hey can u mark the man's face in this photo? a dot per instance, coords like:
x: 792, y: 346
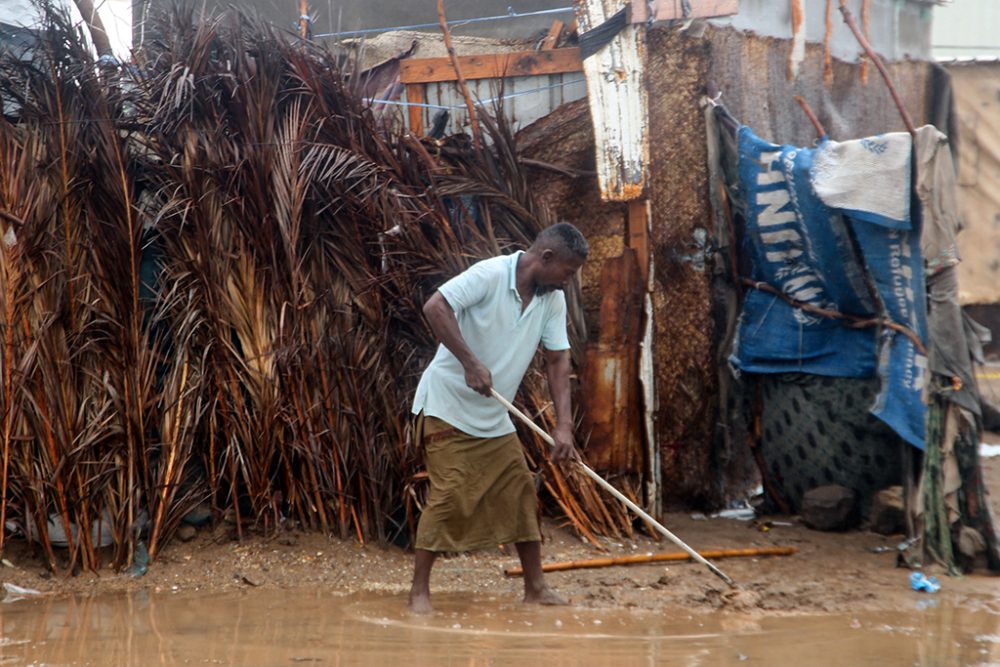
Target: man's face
x: 557, y: 271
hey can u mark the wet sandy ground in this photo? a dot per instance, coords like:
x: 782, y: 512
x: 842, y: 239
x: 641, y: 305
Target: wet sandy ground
x: 297, y: 598
x: 305, y: 626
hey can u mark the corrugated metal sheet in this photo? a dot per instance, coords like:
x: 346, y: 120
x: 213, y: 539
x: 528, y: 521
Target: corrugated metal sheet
x: 528, y: 98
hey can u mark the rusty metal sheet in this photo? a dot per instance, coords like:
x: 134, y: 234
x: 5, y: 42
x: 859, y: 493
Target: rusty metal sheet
x: 612, y: 398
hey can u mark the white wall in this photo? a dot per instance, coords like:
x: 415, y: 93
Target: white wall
x: 898, y: 28
x: 966, y: 28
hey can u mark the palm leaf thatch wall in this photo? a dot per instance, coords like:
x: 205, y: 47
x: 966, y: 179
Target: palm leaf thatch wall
x: 213, y: 265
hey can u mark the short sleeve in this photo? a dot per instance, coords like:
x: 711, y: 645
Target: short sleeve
x: 471, y: 286
x: 554, y: 336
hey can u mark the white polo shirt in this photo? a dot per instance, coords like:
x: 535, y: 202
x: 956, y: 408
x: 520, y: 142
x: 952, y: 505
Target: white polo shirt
x: 488, y: 309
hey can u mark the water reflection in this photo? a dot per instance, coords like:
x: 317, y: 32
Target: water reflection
x: 310, y: 627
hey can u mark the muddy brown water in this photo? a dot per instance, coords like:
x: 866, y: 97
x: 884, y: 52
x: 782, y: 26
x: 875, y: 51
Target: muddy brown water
x: 309, y: 627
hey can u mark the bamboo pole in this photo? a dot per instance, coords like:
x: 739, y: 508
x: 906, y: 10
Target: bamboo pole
x: 304, y: 21
x: 638, y: 559
x: 615, y: 492
x: 473, y: 119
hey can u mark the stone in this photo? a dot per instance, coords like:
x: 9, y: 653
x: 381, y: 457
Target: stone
x: 888, y: 515
x: 831, y: 507
x: 186, y: 533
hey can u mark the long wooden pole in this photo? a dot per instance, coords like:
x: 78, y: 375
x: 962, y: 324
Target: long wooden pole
x: 615, y: 492
x: 473, y: 118
x: 638, y: 559
x: 305, y: 27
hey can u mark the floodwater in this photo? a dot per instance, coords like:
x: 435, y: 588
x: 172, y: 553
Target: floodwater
x: 308, y: 627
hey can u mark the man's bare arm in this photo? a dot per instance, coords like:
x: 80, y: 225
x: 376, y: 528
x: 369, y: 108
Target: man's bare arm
x: 444, y: 326
x: 557, y: 369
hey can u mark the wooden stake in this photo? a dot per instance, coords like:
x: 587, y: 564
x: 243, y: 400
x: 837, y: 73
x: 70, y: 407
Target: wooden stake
x: 304, y: 28
x: 473, y: 119
x: 811, y: 116
x: 415, y: 96
x: 638, y: 559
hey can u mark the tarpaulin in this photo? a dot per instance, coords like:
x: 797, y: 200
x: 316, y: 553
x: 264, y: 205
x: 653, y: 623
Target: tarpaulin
x: 817, y: 255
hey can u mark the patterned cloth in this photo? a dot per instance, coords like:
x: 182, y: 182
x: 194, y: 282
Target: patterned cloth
x: 481, y: 491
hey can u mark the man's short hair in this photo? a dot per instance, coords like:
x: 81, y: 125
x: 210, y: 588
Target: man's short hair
x: 567, y: 237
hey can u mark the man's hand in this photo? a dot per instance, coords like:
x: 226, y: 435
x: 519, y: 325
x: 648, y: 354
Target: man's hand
x: 478, y: 377
x: 565, y: 447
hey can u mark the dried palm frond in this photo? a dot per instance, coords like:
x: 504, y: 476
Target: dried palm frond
x: 215, y: 285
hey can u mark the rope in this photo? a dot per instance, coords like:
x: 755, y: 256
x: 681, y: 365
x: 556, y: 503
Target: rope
x: 511, y: 14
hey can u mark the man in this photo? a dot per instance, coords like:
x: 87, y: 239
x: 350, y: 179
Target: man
x: 490, y: 320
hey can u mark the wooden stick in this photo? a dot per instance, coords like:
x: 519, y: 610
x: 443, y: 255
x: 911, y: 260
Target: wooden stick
x: 853, y: 321
x: 798, y: 17
x: 827, y: 37
x: 853, y: 25
x: 811, y: 116
x: 638, y: 559
x: 415, y: 96
x: 615, y: 492
x: 473, y: 119
x: 866, y: 30
x: 553, y: 36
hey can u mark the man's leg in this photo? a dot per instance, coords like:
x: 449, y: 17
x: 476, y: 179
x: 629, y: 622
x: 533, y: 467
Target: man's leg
x: 420, y: 590
x: 535, y: 589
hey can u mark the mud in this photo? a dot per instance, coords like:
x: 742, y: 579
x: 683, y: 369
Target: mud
x: 305, y: 626
x: 304, y: 598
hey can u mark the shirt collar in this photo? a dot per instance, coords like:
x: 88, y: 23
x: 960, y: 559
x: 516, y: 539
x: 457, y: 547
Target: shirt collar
x: 512, y: 270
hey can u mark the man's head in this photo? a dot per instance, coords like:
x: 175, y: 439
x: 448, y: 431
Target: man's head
x: 561, y: 250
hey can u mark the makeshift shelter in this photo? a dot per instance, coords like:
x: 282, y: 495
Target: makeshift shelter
x: 301, y: 227
x: 692, y: 258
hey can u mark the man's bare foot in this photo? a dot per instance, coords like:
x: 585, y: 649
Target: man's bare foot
x: 545, y: 596
x: 420, y: 603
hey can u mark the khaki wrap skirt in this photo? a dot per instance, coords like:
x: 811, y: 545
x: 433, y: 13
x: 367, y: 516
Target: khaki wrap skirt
x: 481, y: 491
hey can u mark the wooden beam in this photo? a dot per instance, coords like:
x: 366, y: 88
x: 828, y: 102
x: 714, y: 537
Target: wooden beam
x: 415, y: 95
x: 637, y: 234
x: 552, y: 38
x: 671, y: 10
x: 491, y: 66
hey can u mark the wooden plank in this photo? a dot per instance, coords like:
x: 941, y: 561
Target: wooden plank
x: 552, y: 38
x: 415, y: 95
x: 637, y: 230
x: 671, y: 10
x: 491, y: 66
x: 616, y: 90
